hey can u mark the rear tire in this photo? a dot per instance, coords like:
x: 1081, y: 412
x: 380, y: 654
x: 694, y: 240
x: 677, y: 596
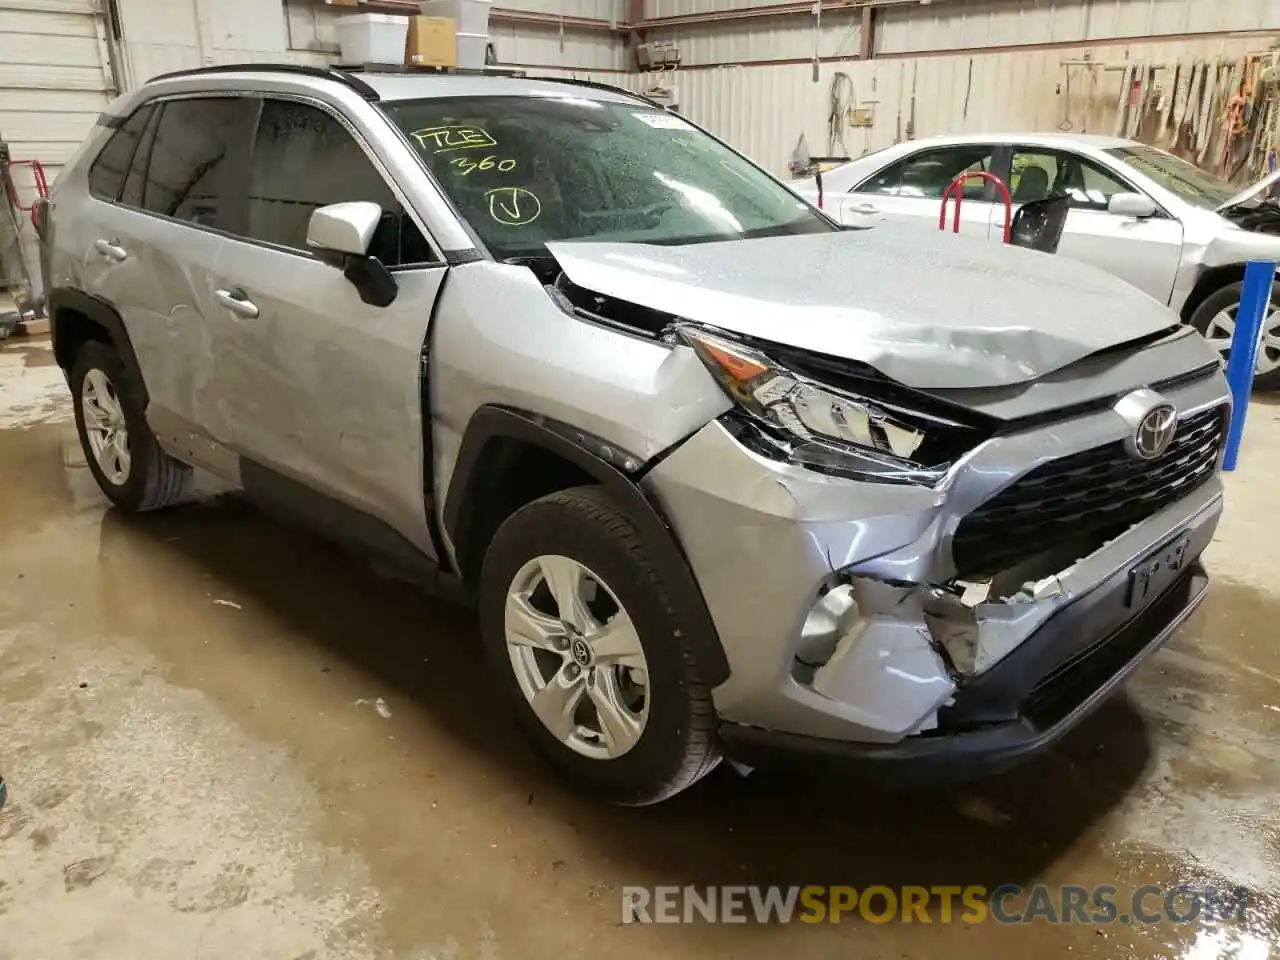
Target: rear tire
x: 1215, y: 319
x: 667, y: 728
x: 122, y: 453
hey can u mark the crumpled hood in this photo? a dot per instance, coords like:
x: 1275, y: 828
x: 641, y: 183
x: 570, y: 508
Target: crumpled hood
x: 1250, y: 192
x: 930, y: 310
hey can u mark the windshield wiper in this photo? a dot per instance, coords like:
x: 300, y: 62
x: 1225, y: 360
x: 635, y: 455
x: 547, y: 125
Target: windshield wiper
x: 544, y: 266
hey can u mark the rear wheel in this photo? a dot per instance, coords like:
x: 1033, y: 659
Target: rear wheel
x: 1216, y: 319
x: 576, y: 623
x: 122, y: 453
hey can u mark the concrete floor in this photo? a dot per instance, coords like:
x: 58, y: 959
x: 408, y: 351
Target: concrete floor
x: 224, y: 739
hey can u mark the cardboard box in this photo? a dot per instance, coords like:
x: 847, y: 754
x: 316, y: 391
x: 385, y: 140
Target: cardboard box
x: 433, y: 42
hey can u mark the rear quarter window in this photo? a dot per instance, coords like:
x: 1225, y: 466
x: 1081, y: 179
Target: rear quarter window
x: 106, y: 175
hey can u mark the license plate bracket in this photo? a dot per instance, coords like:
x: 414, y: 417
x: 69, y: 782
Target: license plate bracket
x: 1158, y: 571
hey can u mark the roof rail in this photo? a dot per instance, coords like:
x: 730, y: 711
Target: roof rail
x: 598, y: 85
x: 318, y: 73
x: 422, y: 70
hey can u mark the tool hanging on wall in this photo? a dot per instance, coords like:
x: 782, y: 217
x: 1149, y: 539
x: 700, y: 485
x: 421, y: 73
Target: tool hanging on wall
x: 1122, y: 107
x: 968, y: 89
x: 843, y: 97
x: 817, y: 41
x: 911, y: 123
x: 1181, y: 96
x: 1167, y: 97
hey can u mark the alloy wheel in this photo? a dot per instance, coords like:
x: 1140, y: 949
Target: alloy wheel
x: 105, y: 427
x: 1223, y: 326
x: 577, y: 657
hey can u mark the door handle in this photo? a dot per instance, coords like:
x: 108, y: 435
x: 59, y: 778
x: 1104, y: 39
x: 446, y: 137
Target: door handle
x: 238, y: 302
x: 112, y: 250
x: 865, y: 208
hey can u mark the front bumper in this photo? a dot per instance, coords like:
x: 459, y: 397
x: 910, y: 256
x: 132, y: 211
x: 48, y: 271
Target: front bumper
x: 767, y: 540
x: 1044, y: 713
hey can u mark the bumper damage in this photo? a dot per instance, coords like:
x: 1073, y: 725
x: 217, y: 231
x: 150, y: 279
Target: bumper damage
x: 1048, y: 712
x: 849, y: 634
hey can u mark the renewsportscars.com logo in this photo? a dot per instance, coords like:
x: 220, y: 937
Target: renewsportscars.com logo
x: 1008, y: 904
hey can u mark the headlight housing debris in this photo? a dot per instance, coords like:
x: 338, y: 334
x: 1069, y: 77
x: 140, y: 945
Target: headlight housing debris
x: 794, y: 417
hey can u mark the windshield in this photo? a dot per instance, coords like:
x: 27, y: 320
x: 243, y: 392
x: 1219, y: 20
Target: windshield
x: 1178, y: 176
x: 527, y: 171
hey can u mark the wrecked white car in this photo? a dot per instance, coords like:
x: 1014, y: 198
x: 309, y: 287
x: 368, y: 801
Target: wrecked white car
x: 1169, y: 228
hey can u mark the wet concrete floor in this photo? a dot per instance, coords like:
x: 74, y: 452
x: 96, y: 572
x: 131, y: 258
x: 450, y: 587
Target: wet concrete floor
x: 223, y: 738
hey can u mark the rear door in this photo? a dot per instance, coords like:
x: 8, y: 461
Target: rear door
x: 157, y: 235
x: 1143, y: 252
x: 314, y: 384
x: 911, y: 190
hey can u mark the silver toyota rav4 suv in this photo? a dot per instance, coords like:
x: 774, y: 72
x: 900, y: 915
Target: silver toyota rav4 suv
x: 722, y: 478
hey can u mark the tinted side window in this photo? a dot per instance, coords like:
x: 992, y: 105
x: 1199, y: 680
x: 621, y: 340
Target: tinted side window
x: 927, y: 174
x: 190, y: 155
x: 135, y: 183
x: 108, y: 171
x: 304, y: 159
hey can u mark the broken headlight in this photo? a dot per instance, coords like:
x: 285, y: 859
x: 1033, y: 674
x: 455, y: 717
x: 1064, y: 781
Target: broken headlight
x: 793, y: 417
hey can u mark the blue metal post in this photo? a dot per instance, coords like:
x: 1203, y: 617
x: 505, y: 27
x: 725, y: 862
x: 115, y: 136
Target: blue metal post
x: 1255, y: 304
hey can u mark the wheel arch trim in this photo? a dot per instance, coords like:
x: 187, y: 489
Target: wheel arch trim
x: 100, y: 312
x: 461, y: 512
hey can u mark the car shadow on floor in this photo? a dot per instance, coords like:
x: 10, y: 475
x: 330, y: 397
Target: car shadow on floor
x: 767, y: 828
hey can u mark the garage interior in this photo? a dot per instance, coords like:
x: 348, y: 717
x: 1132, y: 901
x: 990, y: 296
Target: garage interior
x: 223, y: 737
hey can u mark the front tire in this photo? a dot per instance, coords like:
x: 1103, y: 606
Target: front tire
x: 576, y: 624
x: 122, y: 453
x: 1216, y: 319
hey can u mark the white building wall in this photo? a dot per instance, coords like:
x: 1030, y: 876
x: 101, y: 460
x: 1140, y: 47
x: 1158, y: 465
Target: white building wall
x: 164, y: 35
x: 612, y: 10
x: 55, y: 77
x: 972, y: 24
x: 765, y: 39
x: 763, y: 110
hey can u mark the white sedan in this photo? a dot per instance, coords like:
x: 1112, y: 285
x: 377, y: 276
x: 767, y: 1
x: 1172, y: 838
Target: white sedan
x: 1169, y: 228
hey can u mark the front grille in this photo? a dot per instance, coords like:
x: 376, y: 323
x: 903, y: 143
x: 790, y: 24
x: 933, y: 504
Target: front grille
x: 1101, y: 491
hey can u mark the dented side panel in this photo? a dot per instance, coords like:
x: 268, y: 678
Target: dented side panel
x: 500, y: 339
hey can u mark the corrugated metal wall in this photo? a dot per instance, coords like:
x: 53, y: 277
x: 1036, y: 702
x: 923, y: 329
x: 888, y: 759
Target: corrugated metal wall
x: 967, y: 24
x: 54, y: 77
x: 763, y: 110
x: 615, y: 10
x: 770, y: 38
x: 163, y: 35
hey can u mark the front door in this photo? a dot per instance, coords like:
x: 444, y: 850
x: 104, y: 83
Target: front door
x: 1143, y: 252
x: 911, y: 191
x: 318, y: 386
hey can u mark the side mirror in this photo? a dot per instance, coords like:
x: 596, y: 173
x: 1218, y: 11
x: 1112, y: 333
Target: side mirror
x: 344, y: 227
x: 1038, y: 225
x: 344, y: 232
x: 1131, y: 205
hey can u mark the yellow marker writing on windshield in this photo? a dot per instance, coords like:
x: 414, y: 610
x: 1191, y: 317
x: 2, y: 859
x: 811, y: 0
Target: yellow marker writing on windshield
x: 453, y: 137
x: 468, y: 166
x: 514, y: 206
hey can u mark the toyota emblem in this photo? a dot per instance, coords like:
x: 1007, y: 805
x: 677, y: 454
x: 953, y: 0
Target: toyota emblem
x: 1155, y: 432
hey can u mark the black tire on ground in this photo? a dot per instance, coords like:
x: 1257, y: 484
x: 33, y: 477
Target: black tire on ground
x: 1220, y: 300
x: 155, y: 479
x: 678, y: 746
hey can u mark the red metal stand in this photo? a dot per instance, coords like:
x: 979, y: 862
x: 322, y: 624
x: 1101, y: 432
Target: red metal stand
x: 957, y: 188
x: 41, y: 182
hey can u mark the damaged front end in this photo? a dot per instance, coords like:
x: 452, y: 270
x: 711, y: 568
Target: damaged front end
x: 858, y: 610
